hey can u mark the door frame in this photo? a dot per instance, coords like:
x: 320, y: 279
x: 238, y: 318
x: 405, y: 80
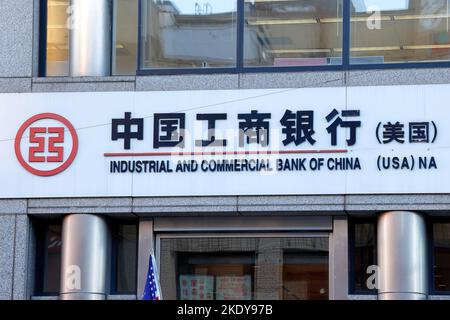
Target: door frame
x: 152, y: 230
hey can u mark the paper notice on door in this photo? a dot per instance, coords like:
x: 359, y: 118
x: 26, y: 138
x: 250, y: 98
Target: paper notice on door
x: 234, y: 287
x: 196, y: 287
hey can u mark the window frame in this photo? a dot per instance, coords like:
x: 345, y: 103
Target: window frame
x: 352, y: 222
x: 171, y: 71
x: 431, y: 256
x: 239, y: 67
x: 114, y: 226
x: 43, y: 35
x: 40, y: 228
x: 42, y: 65
x: 320, y: 232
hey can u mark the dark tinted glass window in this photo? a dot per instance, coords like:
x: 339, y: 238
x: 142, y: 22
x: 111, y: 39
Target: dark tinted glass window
x: 363, y: 245
x: 48, y: 258
x: 305, y: 275
x: 125, y: 258
x: 441, y: 238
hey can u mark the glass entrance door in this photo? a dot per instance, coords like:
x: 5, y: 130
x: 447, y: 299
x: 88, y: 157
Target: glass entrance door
x: 196, y: 267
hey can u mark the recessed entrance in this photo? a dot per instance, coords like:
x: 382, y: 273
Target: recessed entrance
x: 244, y: 266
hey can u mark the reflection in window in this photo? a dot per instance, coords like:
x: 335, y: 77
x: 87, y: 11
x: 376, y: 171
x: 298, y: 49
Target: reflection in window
x: 244, y: 268
x: 305, y: 275
x: 364, y: 255
x: 293, y: 33
x: 48, y: 258
x: 57, y: 38
x: 124, y: 34
x: 441, y: 238
x: 399, y: 31
x: 216, y: 276
x: 125, y: 246
x: 125, y: 37
x: 188, y: 33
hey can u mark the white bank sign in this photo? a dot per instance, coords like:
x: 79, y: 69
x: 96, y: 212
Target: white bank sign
x: 233, y: 142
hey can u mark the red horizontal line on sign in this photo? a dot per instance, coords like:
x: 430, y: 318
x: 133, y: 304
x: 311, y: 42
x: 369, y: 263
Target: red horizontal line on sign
x: 184, y: 154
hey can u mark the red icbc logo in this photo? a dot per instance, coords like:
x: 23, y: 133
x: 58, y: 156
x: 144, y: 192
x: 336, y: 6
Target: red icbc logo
x: 42, y: 142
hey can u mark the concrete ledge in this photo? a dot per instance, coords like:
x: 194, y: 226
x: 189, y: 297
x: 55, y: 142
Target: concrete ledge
x: 83, y: 84
x: 18, y: 206
x: 432, y: 204
x: 292, y: 80
x: 294, y: 204
x: 187, y: 82
x: 439, y: 297
x: 121, y: 297
x: 243, y: 205
x: 84, y: 79
x: 113, y: 206
x: 398, y: 77
x: 361, y: 205
x: 45, y: 298
x: 15, y: 85
x: 184, y: 205
x: 244, y: 224
x: 362, y: 297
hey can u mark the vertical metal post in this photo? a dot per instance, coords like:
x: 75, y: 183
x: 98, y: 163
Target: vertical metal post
x: 402, y: 256
x: 240, y: 30
x: 346, y: 36
x: 338, y: 279
x: 90, y: 37
x: 85, y: 257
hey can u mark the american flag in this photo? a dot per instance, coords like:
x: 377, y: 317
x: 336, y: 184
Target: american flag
x: 152, y: 290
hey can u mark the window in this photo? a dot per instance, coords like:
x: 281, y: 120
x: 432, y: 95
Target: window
x: 205, y: 36
x: 124, y: 273
x: 305, y: 275
x: 56, y: 37
x: 48, y: 257
x: 293, y: 33
x: 363, y: 254
x: 57, y: 48
x: 399, y: 31
x: 188, y: 34
x: 218, y: 276
x: 244, y: 268
x: 441, y: 250
x: 125, y: 35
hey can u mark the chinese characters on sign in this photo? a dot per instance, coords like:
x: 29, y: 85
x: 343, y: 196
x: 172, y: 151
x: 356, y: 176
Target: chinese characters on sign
x: 419, y: 132
x: 126, y: 134
x: 338, y: 122
x: 334, y: 140
x: 254, y: 128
